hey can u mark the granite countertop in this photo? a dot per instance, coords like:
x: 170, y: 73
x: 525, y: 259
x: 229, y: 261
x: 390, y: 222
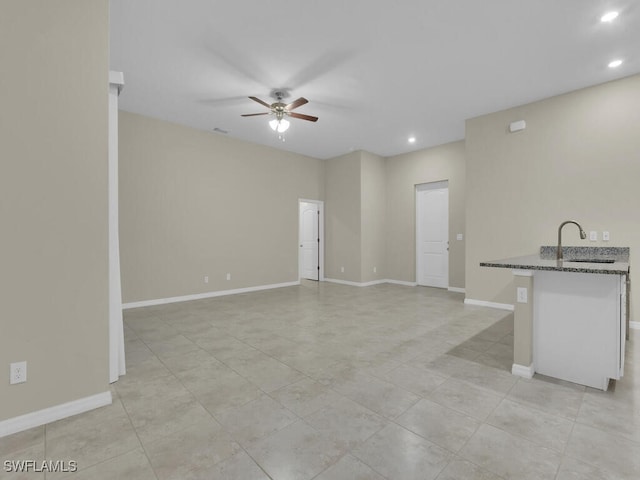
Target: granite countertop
x: 546, y: 260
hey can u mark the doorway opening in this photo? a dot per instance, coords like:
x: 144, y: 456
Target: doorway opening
x: 432, y: 234
x: 311, y: 240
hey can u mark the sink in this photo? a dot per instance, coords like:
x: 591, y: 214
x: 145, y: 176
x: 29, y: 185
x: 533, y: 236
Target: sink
x: 590, y: 260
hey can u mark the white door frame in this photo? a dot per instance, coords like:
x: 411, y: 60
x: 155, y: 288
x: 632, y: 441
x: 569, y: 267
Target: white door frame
x: 418, y: 188
x: 320, y: 205
x: 117, y: 366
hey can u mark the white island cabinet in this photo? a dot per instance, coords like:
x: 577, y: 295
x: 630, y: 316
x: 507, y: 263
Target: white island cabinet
x: 579, y: 326
x: 570, y: 315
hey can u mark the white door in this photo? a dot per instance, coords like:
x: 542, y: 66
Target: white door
x: 309, y: 240
x: 432, y: 231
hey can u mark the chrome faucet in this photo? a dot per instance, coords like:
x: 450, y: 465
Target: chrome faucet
x: 583, y: 235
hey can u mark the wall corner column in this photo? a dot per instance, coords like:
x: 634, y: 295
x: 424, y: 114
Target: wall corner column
x: 523, y: 326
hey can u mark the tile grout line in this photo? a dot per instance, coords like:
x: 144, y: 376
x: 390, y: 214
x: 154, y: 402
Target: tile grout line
x: 146, y: 454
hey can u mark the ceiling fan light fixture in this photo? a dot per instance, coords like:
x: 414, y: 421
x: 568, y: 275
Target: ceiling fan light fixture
x: 279, y: 125
x: 283, y: 125
x: 609, y: 17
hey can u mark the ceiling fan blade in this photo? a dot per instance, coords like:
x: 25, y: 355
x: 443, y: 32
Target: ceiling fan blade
x: 297, y: 103
x: 254, y: 114
x: 302, y: 116
x: 256, y: 99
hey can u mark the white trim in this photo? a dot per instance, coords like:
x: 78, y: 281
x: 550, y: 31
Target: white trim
x: 117, y: 364
x: 117, y: 80
x: 634, y: 325
x: 51, y: 414
x: 355, y: 284
x: 200, y: 296
x: 482, y: 303
x: 220, y: 293
x: 522, y: 273
x: 457, y: 289
x: 373, y: 282
x: 522, y: 371
x: 402, y: 282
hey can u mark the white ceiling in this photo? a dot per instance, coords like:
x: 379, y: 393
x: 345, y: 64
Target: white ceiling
x: 374, y: 71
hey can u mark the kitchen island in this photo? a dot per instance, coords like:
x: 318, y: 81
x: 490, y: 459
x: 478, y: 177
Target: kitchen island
x: 570, y: 315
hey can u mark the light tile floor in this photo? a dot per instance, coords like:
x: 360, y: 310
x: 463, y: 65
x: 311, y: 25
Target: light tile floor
x: 332, y: 382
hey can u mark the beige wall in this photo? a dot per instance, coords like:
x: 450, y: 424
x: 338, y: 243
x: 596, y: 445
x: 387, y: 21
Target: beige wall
x: 577, y: 159
x: 372, y: 217
x: 342, y: 217
x: 404, y: 172
x: 195, y: 203
x: 53, y: 202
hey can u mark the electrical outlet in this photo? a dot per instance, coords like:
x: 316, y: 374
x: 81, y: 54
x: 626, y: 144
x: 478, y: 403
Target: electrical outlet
x: 342, y: 269
x: 375, y: 269
x: 605, y: 236
x: 17, y: 372
x: 593, y: 236
x: 459, y: 236
x: 522, y: 295
x: 228, y: 276
x: 206, y: 279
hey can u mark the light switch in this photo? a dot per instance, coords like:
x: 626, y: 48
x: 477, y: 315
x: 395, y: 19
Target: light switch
x: 605, y: 236
x: 521, y: 295
x: 593, y: 236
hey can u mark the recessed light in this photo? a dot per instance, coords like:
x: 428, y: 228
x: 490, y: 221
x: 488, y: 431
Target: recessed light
x: 412, y: 139
x: 615, y: 63
x: 609, y: 17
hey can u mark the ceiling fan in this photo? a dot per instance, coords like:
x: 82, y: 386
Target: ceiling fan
x: 282, y: 110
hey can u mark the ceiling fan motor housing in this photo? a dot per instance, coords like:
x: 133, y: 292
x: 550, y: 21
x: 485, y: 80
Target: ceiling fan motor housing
x: 279, y: 94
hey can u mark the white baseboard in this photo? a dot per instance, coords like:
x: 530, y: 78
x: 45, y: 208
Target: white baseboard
x: 355, y: 284
x: 220, y: 293
x: 368, y: 284
x: 200, y: 296
x: 522, y: 371
x: 482, y: 303
x: 634, y: 325
x: 402, y: 282
x: 373, y: 282
x: 51, y: 414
